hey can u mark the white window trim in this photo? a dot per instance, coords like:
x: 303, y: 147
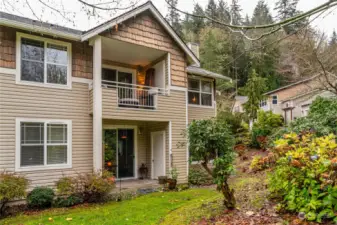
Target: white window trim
x: 200, y: 92
x: 273, y: 99
x: 45, y: 40
x: 18, y: 168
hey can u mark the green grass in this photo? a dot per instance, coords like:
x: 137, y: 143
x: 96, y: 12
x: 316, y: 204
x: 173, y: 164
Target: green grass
x: 148, y: 209
x: 194, y: 212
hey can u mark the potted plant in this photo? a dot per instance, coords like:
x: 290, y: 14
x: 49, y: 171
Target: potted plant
x: 172, y: 181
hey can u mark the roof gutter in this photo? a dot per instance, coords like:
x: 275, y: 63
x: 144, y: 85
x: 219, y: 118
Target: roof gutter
x: 202, y: 72
x: 38, y: 29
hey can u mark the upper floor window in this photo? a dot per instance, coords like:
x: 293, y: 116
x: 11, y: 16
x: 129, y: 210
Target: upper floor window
x: 200, y: 92
x: 43, y: 61
x: 274, y: 99
x: 114, y: 76
x: 43, y: 144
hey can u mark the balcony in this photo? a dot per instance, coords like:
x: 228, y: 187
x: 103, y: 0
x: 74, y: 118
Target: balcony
x: 134, y: 95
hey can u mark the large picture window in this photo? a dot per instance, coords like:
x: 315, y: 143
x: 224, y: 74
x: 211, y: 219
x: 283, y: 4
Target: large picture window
x: 43, y: 144
x: 43, y: 61
x: 200, y: 92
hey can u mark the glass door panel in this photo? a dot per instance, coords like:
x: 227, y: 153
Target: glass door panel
x: 125, y: 153
x: 110, y: 150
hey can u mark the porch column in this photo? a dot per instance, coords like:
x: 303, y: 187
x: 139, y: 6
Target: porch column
x: 97, y: 105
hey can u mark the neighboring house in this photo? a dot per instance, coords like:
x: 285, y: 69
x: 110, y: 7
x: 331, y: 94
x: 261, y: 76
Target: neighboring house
x: 293, y: 101
x: 238, y: 104
x: 114, y: 97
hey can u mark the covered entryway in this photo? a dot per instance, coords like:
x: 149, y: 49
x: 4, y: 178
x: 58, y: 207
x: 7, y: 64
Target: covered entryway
x: 158, y: 154
x: 120, y: 151
x: 136, y: 149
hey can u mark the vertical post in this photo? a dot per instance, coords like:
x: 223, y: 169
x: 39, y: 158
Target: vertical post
x: 97, y: 105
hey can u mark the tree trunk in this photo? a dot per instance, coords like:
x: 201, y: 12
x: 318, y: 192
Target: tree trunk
x: 2, y: 207
x: 228, y: 193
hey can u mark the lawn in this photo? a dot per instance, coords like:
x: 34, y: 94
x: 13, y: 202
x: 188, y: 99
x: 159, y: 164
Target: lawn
x: 149, y: 209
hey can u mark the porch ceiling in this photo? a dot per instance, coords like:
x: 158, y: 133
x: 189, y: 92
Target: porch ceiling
x: 128, y: 53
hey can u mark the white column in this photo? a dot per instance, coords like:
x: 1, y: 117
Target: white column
x: 97, y: 105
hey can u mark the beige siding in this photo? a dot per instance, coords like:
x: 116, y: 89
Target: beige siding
x: 198, y: 113
x: 169, y: 108
x: 45, y: 103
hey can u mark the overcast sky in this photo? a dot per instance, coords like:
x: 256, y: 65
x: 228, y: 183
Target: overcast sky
x: 326, y: 23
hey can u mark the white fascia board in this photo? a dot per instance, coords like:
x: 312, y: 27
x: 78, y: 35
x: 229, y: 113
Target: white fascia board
x: 39, y: 29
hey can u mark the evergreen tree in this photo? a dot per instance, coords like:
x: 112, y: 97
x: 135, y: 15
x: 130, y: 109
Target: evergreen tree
x: 254, y: 90
x: 333, y: 39
x: 211, y: 11
x: 265, y: 59
x: 197, y: 23
x: 261, y: 14
x: 246, y: 22
x: 287, y: 9
x: 173, y: 17
x: 223, y: 12
x: 236, y: 12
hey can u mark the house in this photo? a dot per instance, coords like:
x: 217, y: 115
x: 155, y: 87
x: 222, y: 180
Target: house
x: 115, y: 97
x: 238, y: 104
x: 293, y: 101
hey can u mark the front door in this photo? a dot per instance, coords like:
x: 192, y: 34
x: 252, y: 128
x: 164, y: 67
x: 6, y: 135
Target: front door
x: 119, y: 152
x: 158, y: 154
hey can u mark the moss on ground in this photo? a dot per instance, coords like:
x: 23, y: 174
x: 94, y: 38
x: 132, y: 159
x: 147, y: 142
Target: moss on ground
x: 194, y: 212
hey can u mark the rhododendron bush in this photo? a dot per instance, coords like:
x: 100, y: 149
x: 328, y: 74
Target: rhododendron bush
x: 305, y: 174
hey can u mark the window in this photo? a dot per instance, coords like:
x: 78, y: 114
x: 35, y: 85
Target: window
x: 274, y: 99
x: 43, y: 61
x: 200, y: 92
x: 42, y: 144
x: 263, y: 103
x: 113, y: 76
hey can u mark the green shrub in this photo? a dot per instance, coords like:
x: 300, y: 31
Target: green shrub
x: 12, y: 187
x: 40, y: 197
x: 212, y: 139
x: 237, y: 123
x: 198, y: 176
x: 322, y: 118
x: 267, y: 123
x: 67, y: 201
x: 305, y: 175
x: 91, y: 187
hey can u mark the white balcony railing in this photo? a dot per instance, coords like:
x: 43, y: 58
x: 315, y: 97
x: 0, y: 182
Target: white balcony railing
x: 135, y: 96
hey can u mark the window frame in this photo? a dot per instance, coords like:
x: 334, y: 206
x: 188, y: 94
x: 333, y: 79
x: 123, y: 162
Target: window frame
x: 200, y: 79
x: 20, y: 168
x: 121, y: 69
x: 272, y: 99
x: 19, y: 36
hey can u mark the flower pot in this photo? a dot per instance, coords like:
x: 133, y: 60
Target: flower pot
x: 240, y: 149
x: 162, y: 179
x: 172, y: 183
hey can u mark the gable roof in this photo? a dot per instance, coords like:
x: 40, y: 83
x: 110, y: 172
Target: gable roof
x: 73, y: 34
x: 293, y: 84
x: 37, y: 26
